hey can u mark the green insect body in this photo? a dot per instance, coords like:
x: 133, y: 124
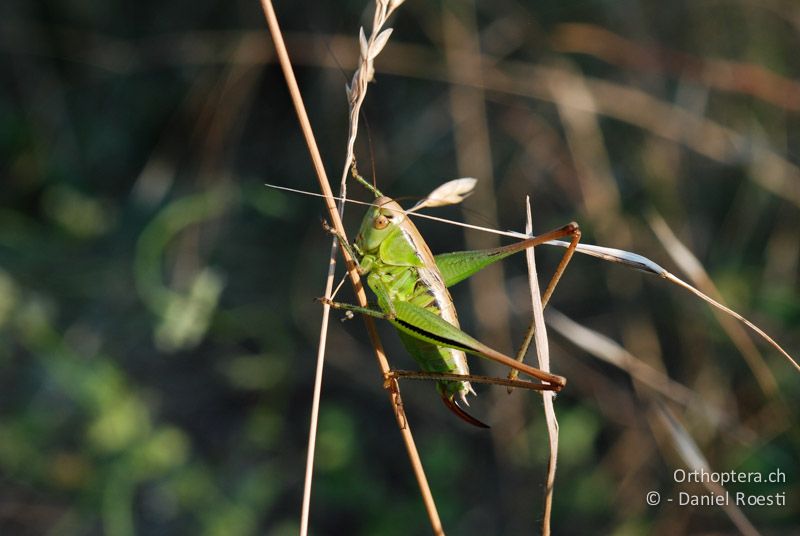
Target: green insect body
x: 402, y: 269
x: 411, y: 287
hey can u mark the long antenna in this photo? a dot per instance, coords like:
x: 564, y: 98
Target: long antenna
x: 618, y: 256
x: 357, y: 176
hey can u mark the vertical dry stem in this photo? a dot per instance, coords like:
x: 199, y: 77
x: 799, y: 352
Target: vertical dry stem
x: 543, y: 355
x: 336, y: 221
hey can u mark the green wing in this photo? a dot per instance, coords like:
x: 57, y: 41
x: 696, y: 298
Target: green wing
x: 459, y: 265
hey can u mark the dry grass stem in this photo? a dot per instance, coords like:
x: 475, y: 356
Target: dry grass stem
x: 543, y: 356
x: 644, y: 264
x: 670, y: 277
x: 336, y: 221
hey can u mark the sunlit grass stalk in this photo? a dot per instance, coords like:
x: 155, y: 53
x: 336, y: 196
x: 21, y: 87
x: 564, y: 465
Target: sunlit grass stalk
x: 383, y: 9
x: 543, y: 356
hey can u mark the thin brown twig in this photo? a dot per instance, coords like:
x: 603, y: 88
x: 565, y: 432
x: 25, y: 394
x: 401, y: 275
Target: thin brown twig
x: 324, y: 184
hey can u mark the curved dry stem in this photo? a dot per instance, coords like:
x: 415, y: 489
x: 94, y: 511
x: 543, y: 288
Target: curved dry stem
x: 669, y: 277
x: 692, y: 267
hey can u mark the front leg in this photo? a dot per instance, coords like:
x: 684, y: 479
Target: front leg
x: 386, y: 311
x: 351, y: 249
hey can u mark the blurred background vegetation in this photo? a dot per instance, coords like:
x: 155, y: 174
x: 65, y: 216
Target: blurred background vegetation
x: 157, y: 329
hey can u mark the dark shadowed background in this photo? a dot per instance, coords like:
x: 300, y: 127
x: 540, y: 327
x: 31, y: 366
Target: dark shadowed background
x: 157, y: 325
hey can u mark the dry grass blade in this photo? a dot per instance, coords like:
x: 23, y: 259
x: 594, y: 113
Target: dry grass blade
x: 336, y: 221
x: 543, y: 355
x: 316, y: 159
x: 668, y: 276
x: 644, y: 264
x: 607, y: 350
x: 695, y: 460
x: 687, y: 262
